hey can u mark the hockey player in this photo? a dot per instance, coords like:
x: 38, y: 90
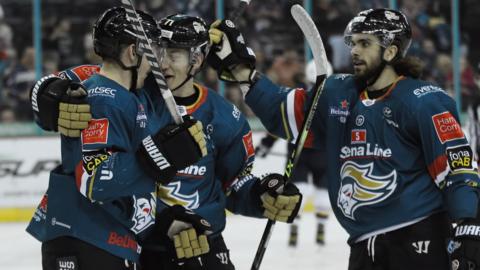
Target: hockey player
x: 219, y: 181
x: 400, y: 169
x: 111, y: 157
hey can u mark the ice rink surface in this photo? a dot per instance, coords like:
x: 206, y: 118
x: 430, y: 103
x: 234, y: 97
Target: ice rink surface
x: 20, y: 251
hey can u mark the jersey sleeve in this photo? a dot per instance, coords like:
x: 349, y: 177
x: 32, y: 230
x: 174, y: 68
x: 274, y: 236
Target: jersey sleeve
x: 233, y: 162
x: 109, y: 168
x: 76, y: 74
x: 282, y: 110
x: 451, y: 162
x: 79, y: 73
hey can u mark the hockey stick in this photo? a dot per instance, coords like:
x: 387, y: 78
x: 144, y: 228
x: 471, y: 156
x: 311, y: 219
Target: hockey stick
x: 145, y: 45
x: 314, y: 40
x: 239, y: 10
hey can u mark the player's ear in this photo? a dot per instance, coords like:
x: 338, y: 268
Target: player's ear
x: 390, y: 53
x: 197, y: 60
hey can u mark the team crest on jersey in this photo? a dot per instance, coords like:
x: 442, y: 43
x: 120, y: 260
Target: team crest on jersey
x: 144, y: 214
x: 170, y: 194
x: 359, y: 187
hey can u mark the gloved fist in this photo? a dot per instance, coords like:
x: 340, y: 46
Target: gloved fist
x: 74, y: 114
x: 263, y: 149
x: 281, y: 201
x: 60, y: 105
x: 187, y: 230
x: 230, y: 51
x: 464, y: 249
x: 173, y: 148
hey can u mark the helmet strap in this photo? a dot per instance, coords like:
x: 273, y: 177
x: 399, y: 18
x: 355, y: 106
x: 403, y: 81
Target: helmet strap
x: 189, y: 76
x: 133, y: 69
x: 190, y: 68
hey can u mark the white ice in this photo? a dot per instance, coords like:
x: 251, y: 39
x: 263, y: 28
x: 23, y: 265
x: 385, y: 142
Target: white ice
x: 20, y: 251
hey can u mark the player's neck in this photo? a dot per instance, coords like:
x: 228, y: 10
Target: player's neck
x: 185, y: 90
x: 386, y: 78
x: 114, y: 73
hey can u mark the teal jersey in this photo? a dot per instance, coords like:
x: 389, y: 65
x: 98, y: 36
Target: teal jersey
x: 106, y: 183
x: 391, y: 160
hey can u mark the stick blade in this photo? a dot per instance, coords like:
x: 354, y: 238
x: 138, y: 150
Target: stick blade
x: 310, y: 31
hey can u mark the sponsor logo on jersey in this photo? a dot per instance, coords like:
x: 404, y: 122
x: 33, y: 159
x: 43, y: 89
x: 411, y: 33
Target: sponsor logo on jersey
x: 154, y: 153
x: 362, y: 151
x: 55, y: 222
x: 340, y: 111
x: 359, y: 120
x: 427, y: 89
x: 387, y: 112
x: 359, y: 136
x: 170, y: 194
x: 236, y: 112
x: 360, y: 187
x: 96, y: 132
x: 192, y: 171
x: 102, y: 91
x: 93, y: 159
x: 391, y: 122
x: 124, y: 241
x: 41, y: 211
x: 460, y: 157
x: 144, y: 213
x: 447, y: 127
x: 141, y: 117
x: 85, y: 71
x: 341, y: 76
x: 248, y: 145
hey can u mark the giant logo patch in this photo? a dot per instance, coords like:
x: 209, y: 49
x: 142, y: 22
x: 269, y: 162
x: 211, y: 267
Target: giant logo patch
x: 360, y: 187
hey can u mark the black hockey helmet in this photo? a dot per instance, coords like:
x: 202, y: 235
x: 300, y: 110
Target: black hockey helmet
x: 389, y: 26
x: 113, y: 29
x: 184, y: 31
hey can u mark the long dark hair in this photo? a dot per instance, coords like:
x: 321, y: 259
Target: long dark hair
x: 409, y: 66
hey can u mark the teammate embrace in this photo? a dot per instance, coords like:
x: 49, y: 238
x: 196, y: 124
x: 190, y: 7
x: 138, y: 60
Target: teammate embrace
x: 134, y: 187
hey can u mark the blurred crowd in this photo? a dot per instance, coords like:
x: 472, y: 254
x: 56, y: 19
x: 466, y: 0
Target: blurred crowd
x: 267, y: 26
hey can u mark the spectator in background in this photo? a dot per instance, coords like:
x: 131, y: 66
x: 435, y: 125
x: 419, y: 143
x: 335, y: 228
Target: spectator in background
x: 469, y: 90
x: 7, y: 115
x: 443, y: 67
x: 18, y: 84
x: 61, y: 41
x: 6, y: 51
